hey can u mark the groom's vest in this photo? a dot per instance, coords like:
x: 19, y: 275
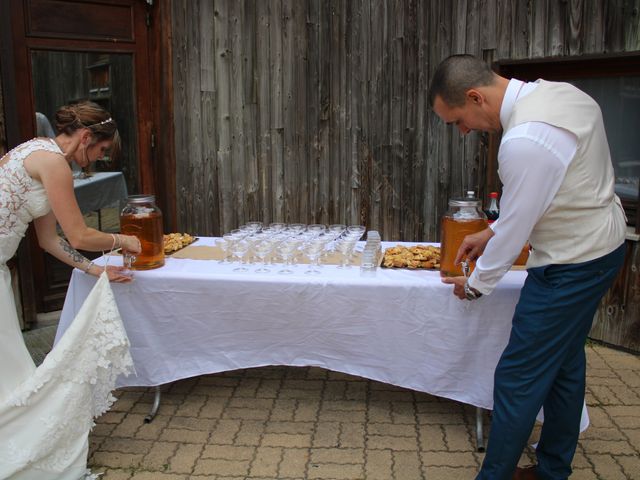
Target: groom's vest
x: 585, y: 219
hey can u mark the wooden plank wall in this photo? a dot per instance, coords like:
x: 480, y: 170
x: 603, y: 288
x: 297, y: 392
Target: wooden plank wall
x: 315, y: 110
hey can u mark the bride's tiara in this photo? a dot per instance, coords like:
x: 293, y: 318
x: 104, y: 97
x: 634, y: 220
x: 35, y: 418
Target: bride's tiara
x: 108, y: 120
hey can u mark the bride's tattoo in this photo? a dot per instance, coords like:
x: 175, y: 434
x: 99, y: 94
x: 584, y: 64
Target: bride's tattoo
x: 73, y: 253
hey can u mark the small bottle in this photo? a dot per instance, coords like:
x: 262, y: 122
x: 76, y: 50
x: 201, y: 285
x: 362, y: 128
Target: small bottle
x: 493, y: 212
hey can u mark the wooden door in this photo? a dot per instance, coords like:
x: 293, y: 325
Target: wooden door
x: 76, y: 47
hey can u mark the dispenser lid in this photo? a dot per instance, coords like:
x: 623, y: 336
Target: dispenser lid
x: 469, y: 200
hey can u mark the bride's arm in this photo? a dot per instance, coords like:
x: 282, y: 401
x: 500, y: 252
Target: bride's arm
x: 57, y: 246
x: 54, y: 173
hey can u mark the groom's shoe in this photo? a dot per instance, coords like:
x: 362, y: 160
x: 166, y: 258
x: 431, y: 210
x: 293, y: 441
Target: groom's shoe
x: 525, y: 473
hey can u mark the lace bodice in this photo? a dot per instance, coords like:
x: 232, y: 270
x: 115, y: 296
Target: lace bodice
x: 22, y: 198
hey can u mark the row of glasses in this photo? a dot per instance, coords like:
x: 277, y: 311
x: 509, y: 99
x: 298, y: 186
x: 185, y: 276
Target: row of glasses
x: 313, y: 241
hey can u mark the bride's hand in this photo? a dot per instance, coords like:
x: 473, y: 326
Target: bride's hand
x: 130, y: 244
x: 119, y: 274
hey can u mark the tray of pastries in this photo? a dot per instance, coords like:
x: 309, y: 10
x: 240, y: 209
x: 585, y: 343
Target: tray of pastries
x: 177, y: 241
x: 426, y: 257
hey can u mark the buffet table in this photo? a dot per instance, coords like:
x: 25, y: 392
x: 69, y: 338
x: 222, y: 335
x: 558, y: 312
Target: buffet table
x: 402, y: 327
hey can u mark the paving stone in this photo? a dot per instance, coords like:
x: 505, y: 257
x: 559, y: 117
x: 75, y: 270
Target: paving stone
x: 185, y: 458
x: 406, y: 465
x: 352, y: 435
x: 341, y: 416
x: 114, y: 474
x: 184, y: 436
x: 379, y: 464
x: 458, y: 438
x: 153, y: 430
x: 337, y: 455
x: 222, y: 467
x: 446, y: 459
x: 228, y: 452
x: 158, y: 476
x: 336, y: 471
x: 115, y: 459
x: 225, y: 431
x: 392, y: 443
x: 265, y: 462
x: 449, y: 473
x: 607, y: 468
x: 327, y: 434
x: 159, y: 455
x: 290, y: 427
x: 630, y: 465
x: 250, y: 432
x: 192, y: 423
x: 286, y: 440
x: 607, y: 446
x: 294, y: 463
x: 125, y: 445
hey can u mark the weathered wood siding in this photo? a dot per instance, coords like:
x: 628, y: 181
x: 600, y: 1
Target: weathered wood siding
x: 315, y: 110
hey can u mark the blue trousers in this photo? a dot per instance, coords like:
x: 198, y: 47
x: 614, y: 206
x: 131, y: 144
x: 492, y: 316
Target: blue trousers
x: 544, y: 364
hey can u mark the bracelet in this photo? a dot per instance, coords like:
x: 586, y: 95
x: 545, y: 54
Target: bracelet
x: 113, y: 245
x: 86, y: 270
x: 470, y: 293
x: 119, y: 240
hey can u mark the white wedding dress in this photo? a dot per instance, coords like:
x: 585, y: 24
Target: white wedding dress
x: 46, y: 413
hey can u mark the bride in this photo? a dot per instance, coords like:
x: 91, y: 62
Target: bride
x: 46, y: 412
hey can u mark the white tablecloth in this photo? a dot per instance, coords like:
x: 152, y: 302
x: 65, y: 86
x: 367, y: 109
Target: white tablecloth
x: 402, y: 327
x: 100, y: 190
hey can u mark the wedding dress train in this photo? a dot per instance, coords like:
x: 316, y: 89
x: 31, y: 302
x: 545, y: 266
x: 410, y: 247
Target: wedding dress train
x: 45, y: 421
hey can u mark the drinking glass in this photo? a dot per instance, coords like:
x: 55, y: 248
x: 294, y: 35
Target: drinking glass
x: 288, y: 249
x: 345, y: 247
x: 254, y: 226
x: 229, y: 241
x: 240, y: 249
x: 297, y: 227
x: 316, y: 229
x: 223, y: 245
x: 127, y: 260
x: 262, y: 250
x: 356, y: 230
x: 313, y: 251
x: 277, y: 226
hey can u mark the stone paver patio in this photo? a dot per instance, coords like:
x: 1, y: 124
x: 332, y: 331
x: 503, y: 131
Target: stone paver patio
x: 310, y: 423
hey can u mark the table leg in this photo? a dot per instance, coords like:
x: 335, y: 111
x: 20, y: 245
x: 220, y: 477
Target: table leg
x: 154, y: 407
x: 479, y: 430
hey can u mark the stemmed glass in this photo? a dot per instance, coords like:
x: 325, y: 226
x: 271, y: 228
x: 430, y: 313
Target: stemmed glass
x: 254, y: 226
x: 287, y: 251
x: 240, y: 249
x: 345, y: 247
x: 297, y: 228
x: 262, y: 250
x: 224, y: 245
x: 316, y: 229
x: 356, y: 231
x: 228, y: 240
x: 313, y: 251
x: 278, y: 227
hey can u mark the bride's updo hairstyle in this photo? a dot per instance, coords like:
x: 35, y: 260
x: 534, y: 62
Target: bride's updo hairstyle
x: 70, y: 118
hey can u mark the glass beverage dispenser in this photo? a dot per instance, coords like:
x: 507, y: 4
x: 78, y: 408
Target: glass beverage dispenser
x: 464, y: 217
x: 142, y: 218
